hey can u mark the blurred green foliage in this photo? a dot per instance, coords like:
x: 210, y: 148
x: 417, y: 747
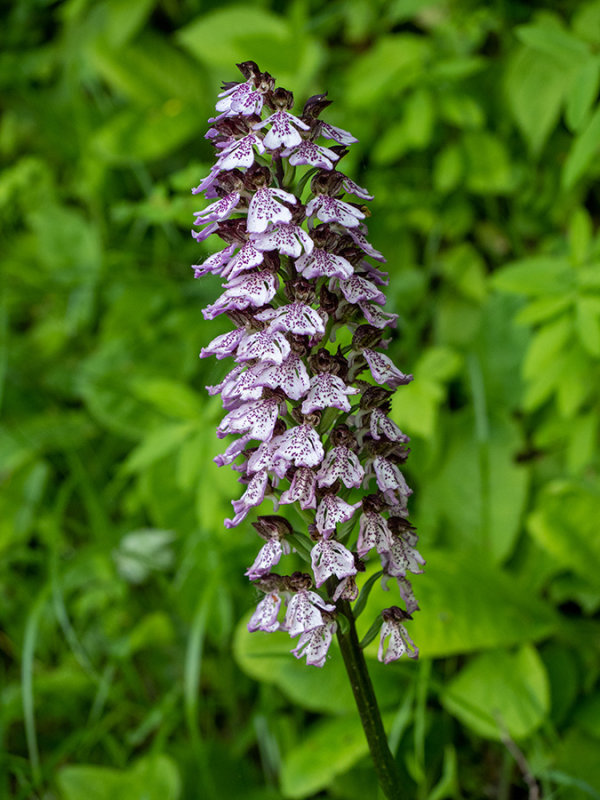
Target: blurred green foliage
x: 126, y: 670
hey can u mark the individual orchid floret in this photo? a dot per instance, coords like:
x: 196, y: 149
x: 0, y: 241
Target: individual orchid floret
x: 333, y: 510
x: 264, y: 209
x: 330, y: 557
x: 311, y: 428
x: 322, y: 264
x: 283, y: 131
x: 304, y: 612
x: 302, y: 489
x: 330, y: 209
x: 311, y: 155
x: 287, y: 238
x: 399, y: 643
x: 265, y: 616
x: 314, y: 644
x: 219, y: 210
x: 297, y: 318
x: 384, y: 370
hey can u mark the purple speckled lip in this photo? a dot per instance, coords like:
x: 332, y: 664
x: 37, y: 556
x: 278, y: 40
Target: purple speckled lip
x: 309, y: 393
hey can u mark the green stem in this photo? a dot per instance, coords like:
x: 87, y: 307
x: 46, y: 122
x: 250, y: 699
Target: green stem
x: 370, y: 716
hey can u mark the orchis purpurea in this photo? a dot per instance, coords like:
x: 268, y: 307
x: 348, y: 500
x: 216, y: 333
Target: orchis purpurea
x: 311, y: 416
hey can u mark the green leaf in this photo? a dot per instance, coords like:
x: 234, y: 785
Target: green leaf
x: 156, y: 445
x: 266, y: 657
x: 565, y: 523
x: 555, y: 42
x: 488, y: 165
x: 467, y: 604
x: 479, y: 488
x: 499, y: 693
x: 329, y: 749
x: 535, y: 275
x: 546, y: 344
x: 582, y: 94
x: 448, y: 168
x: 587, y: 324
x: 151, y: 778
x: 536, y: 84
x: 576, y: 766
x: 582, y: 153
x: 385, y: 70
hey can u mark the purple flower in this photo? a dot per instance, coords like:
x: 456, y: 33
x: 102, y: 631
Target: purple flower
x: 329, y: 209
x: 341, y: 464
x: 380, y: 424
x: 288, y: 239
x: 240, y: 153
x: 219, y: 210
x: 224, y: 345
x: 399, y: 643
x: 264, y: 209
x: 329, y: 557
x: 310, y: 154
x: 295, y: 318
x: 302, y: 446
x: 331, y: 511
x: 356, y: 289
x: 314, y: 644
x: 319, y: 263
x: 384, y: 370
x: 283, y: 131
x: 337, y: 134
x: 373, y: 533
x: 327, y: 391
x: 291, y: 376
x: 214, y: 263
x: 304, y: 612
x: 268, y: 346
x: 240, y: 99
x: 265, y: 616
x: 268, y: 557
x: 256, y: 419
x: 305, y: 303
x: 302, y: 489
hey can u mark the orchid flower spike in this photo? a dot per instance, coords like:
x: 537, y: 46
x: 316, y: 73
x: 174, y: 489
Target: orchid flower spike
x: 311, y: 416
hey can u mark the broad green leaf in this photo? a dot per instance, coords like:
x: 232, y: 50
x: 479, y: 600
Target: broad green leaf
x: 555, y: 42
x: 536, y: 84
x: 151, y: 778
x: 385, y: 70
x: 467, y: 604
x: 125, y: 19
x: 576, y: 766
x: 133, y: 136
x: 535, y: 275
x: 582, y: 94
x: 151, y: 71
x: 266, y: 657
x: 583, y: 434
x: 156, y: 445
x: 587, y: 324
x: 464, y: 268
x: 488, y: 165
x: 449, y: 168
x: 222, y: 38
x: 565, y: 522
x: 461, y: 110
x: 237, y: 33
x: 582, y: 153
x: 500, y: 693
x: 173, y: 398
x: 564, y: 681
x: 330, y: 748
x: 580, y: 235
x: 542, y: 309
x: 546, y: 344
x: 479, y: 488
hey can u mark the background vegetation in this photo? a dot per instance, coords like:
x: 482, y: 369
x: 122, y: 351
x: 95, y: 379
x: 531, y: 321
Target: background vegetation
x: 126, y: 671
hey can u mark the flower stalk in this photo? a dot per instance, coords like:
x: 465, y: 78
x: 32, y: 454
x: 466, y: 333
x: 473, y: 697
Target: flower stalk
x: 310, y: 412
